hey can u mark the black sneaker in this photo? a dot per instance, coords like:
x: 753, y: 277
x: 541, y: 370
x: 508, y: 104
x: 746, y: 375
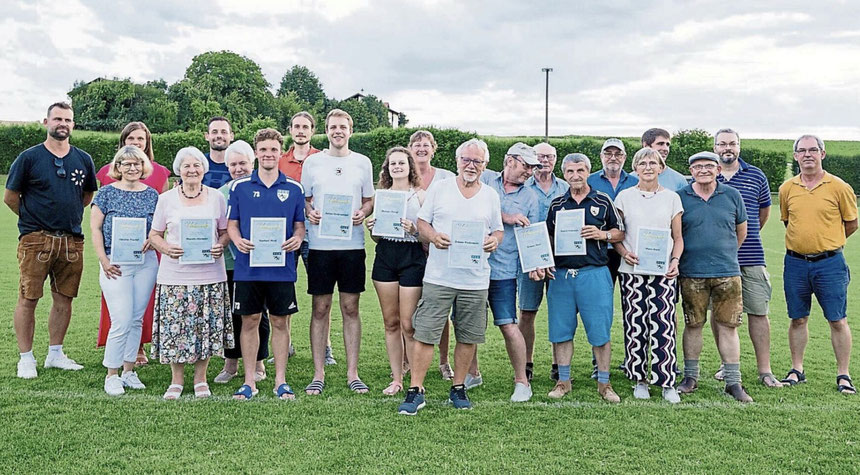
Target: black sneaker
x: 553, y: 373
x: 413, y: 402
x: 530, y: 371
x: 458, y: 397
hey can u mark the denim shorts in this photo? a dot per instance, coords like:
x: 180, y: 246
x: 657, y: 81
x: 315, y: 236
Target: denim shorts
x: 502, y: 298
x: 530, y: 292
x: 587, y: 291
x: 827, y: 279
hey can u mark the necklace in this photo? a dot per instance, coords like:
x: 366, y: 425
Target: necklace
x: 182, y: 190
x: 647, y: 194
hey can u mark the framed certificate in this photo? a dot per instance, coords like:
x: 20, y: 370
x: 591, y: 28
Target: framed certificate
x: 653, y: 246
x: 568, y: 232
x: 127, y: 238
x: 467, y: 245
x: 336, y: 220
x: 196, y: 237
x: 389, y: 209
x: 267, y: 236
x: 533, y: 246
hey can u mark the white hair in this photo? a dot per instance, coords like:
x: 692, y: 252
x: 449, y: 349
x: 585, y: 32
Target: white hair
x: 480, y: 144
x: 192, y: 152
x: 242, y: 148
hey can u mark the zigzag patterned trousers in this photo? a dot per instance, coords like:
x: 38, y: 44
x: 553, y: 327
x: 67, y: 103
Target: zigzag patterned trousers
x: 648, y: 304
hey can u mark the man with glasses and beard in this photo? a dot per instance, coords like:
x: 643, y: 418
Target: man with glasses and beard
x: 48, y: 187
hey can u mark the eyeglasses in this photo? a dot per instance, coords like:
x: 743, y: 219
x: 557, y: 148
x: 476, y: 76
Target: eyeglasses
x: 546, y: 156
x: 647, y: 164
x: 130, y: 165
x: 517, y: 158
x: 471, y: 161
x: 812, y: 151
x: 728, y: 144
x: 703, y: 166
x: 61, y: 171
x: 618, y: 155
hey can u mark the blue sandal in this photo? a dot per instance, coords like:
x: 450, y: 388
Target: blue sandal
x: 282, y: 390
x: 246, y: 392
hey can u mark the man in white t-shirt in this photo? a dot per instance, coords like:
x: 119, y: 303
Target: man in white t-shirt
x: 338, y: 187
x: 462, y: 220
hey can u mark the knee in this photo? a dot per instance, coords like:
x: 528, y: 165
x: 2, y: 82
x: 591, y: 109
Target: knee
x: 839, y: 325
x: 28, y: 304
x: 797, y: 323
x: 251, y: 322
x: 527, y: 318
x: 349, y: 312
x: 392, y: 325
x: 510, y: 330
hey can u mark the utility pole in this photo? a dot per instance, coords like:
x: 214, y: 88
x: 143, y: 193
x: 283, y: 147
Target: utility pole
x: 546, y: 113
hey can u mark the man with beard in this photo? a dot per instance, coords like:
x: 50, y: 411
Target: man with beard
x: 219, y: 134
x: 754, y: 188
x: 660, y: 140
x: 48, y: 186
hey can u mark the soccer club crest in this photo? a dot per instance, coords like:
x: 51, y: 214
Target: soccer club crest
x: 594, y: 210
x: 283, y: 195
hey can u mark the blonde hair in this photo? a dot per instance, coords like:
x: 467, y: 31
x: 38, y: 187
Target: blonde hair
x: 338, y: 113
x: 646, y: 152
x: 130, y: 152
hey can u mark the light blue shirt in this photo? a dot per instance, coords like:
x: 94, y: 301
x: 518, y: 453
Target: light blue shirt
x: 558, y: 188
x: 505, y: 261
x: 599, y: 182
x: 672, y: 180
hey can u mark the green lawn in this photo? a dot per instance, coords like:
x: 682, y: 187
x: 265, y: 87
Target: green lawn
x: 63, y: 421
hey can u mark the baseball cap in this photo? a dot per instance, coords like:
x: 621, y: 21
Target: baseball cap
x: 613, y: 142
x: 525, y: 152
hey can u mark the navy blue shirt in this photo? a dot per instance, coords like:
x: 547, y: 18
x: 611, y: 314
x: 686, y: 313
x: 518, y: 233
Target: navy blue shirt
x: 751, y: 182
x: 50, y: 202
x: 598, y: 181
x: 599, y: 211
x: 250, y: 198
x: 218, y: 174
x: 710, y: 232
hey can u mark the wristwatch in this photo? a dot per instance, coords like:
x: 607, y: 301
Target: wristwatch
x: 608, y: 236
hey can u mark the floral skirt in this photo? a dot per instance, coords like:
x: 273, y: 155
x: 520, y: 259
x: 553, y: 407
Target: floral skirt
x: 191, y: 322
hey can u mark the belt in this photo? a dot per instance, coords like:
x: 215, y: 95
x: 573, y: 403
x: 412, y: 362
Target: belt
x: 57, y: 233
x: 813, y: 257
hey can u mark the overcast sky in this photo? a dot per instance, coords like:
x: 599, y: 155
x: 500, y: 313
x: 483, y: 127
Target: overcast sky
x: 769, y: 69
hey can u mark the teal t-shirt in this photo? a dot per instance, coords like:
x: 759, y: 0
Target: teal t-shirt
x: 710, y: 232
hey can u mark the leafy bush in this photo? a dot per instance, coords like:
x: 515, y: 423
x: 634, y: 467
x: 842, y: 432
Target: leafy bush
x: 844, y: 167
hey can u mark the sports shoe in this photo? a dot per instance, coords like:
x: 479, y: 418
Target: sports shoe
x: 738, y: 392
x: 640, y: 391
x: 27, y: 369
x: 413, y: 402
x: 292, y: 351
x: 62, y: 362
x: 594, y: 373
x: 225, y: 376
x: 472, y: 382
x: 114, y: 386
x: 329, y: 359
x: 458, y: 397
x: 130, y: 380
x: 522, y: 393
x: 446, y: 372
x: 671, y: 395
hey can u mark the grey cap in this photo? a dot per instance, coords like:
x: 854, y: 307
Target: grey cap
x: 705, y: 156
x: 525, y: 152
x: 613, y: 142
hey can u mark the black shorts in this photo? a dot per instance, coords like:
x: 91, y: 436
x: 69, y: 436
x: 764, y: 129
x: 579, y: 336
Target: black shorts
x: 398, y: 261
x: 345, y: 268
x: 250, y: 297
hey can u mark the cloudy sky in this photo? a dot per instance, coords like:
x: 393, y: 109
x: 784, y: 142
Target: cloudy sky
x: 770, y: 69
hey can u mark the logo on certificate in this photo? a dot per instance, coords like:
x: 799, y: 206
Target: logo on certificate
x: 283, y: 195
x: 594, y: 210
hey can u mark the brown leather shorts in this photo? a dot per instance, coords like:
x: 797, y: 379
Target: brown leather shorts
x: 42, y: 254
x: 722, y: 293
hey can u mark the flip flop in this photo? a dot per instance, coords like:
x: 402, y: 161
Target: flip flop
x: 172, y: 395
x: 316, y: 385
x: 246, y: 392
x: 358, y: 386
x: 283, y: 390
x: 202, y: 393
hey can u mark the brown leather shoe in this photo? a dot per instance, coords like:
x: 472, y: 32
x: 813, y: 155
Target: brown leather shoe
x: 738, y: 392
x: 561, y: 388
x: 688, y: 385
x: 606, y: 392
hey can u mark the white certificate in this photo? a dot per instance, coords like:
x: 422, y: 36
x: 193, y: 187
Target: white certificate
x: 336, y: 220
x: 533, y: 246
x: 653, y: 248
x: 267, y: 236
x: 568, y: 232
x: 467, y: 245
x: 127, y: 238
x: 196, y: 237
x: 389, y: 209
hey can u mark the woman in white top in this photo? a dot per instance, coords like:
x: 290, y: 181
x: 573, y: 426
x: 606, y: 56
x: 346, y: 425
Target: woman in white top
x: 648, y: 299
x: 398, y: 268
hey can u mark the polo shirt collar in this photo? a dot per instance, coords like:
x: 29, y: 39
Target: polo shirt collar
x: 744, y: 165
x: 255, y: 178
x: 720, y: 189
x: 827, y: 179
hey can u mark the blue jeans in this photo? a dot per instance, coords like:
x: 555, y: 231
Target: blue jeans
x: 502, y: 298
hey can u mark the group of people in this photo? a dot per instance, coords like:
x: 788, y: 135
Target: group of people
x: 236, y: 294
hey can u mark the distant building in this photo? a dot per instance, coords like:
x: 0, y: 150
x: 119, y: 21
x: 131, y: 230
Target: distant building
x: 393, y: 115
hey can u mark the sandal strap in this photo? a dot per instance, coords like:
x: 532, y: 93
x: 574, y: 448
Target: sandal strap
x: 357, y: 385
x: 845, y: 377
x: 284, y: 389
x: 316, y: 385
x: 245, y: 391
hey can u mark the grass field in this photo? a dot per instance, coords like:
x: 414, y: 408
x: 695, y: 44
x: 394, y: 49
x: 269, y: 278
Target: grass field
x: 63, y: 422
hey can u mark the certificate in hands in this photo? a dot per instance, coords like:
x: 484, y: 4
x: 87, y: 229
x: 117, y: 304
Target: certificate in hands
x: 467, y: 245
x: 652, y: 248
x: 533, y: 246
x: 568, y: 230
x: 389, y: 209
x: 196, y: 237
x: 127, y: 238
x: 336, y: 220
x: 267, y: 236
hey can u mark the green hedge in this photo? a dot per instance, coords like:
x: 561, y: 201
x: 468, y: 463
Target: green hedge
x: 845, y: 167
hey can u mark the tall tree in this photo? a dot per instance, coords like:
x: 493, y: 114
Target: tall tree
x: 305, y: 84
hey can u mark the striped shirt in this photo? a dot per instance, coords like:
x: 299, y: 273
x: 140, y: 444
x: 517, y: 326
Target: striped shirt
x: 755, y: 191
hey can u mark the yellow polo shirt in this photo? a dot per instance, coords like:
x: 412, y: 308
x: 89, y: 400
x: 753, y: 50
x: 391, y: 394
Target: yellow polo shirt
x: 815, y: 217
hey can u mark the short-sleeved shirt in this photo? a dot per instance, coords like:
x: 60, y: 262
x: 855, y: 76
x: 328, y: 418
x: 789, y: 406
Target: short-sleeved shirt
x: 653, y: 210
x: 217, y: 175
x: 754, y: 188
x: 289, y: 166
x: 444, y: 204
x: 815, y: 218
x: 505, y: 261
x: 598, y: 181
x: 116, y: 203
x: 250, y: 197
x: 558, y: 188
x: 441, y: 174
x: 49, y: 202
x: 350, y: 175
x: 156, y: 180
x: 168, y: 213
x: 599, y: 212
x: 672, y: 180
x: 710, y: 232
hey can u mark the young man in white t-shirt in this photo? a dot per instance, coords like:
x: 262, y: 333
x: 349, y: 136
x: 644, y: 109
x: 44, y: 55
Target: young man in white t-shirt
x: 336, y: 176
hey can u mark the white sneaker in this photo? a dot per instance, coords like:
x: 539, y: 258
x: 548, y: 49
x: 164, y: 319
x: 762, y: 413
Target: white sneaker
x: 27, y: 369
x: 114, y: 386
x: 671, y: 395
x: 641, y: 391
x: 62, y: 362
x: 130, y: 380
x: 472, y: 382
x: 522, y: 393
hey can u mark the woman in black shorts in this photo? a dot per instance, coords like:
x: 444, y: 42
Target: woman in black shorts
x: 398, y: 269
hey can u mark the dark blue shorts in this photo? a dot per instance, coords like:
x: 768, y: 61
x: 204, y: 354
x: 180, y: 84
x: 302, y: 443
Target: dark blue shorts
x: 827, y: 279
